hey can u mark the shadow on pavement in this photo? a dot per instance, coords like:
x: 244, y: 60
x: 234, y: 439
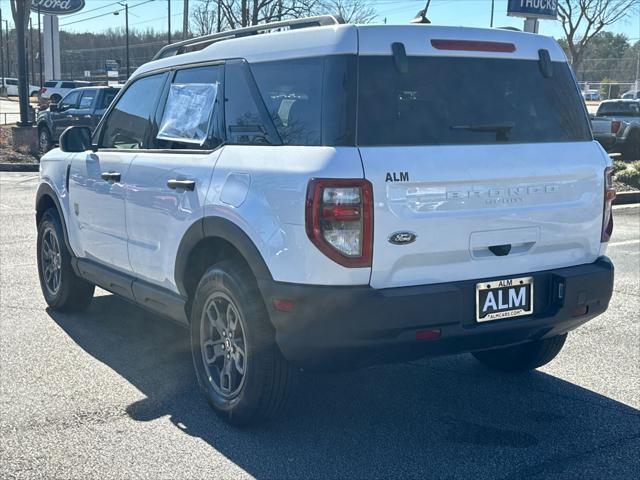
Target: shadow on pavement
x: 443, y: 418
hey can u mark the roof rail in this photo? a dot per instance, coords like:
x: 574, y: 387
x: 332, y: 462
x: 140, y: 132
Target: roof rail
x: 180, y: 47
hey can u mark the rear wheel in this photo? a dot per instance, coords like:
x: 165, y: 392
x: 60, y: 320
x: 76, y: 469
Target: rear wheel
x: 522, y: 357
x: 238, y: 364
x: 62, y: 289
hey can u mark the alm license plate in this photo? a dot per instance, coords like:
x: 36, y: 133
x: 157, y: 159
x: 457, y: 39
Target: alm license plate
x: 504, y: 299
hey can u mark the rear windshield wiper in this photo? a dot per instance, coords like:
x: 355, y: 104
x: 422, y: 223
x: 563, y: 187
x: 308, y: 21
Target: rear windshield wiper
x: 500, y: 129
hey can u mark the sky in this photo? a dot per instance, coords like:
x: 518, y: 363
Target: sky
x: 472, y: 13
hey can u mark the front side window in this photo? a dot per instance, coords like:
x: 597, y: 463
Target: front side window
x: 456, y: 101
x: 70, y: 101
x: 88, y: 96
x: 192, y: 102
x: 128, y: 124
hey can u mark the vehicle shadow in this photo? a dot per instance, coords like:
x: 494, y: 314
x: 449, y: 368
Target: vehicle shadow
x: 442, y: 418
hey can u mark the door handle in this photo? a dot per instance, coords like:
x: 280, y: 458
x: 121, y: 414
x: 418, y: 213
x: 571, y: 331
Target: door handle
x: 110, y: 176
x: 181, y: 183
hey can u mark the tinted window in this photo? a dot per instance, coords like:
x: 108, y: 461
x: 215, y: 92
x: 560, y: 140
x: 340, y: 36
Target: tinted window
x: 434, y: 102
x: 50, y: 84
x: 245, y: 115
x: 10, y: 81
x: 88, y: 96
x: 188, y: 118
x: 621, y: 109
x: 70, y: 101
x: 312, y: 100
x: 107, y: 98
x: 68, y: 85
x: 129, y: 121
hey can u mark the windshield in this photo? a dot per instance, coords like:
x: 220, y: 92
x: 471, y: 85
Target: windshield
x: 445, y: 100
x: 620, y: 109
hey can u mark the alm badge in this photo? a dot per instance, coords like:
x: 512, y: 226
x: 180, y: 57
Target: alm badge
x: 57, y: 7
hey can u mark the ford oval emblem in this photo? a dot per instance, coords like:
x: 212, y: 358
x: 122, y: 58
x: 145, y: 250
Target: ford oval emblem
x: 402, y: 238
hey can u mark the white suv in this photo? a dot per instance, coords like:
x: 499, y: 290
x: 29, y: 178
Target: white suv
x: 323, y: 196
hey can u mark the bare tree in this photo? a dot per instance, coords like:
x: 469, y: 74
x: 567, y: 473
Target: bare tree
x: 584, y: 19
x: 243, y: 13
x: 204, y: 18
x: 353, y: 11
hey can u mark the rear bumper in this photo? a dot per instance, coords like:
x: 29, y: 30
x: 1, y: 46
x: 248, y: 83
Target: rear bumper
x: 351, y: 327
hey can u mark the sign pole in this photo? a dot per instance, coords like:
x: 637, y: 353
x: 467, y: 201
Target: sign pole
x: 531, y: 25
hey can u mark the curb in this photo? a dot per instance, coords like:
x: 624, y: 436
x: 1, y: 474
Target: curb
x: 625, y: 198
x: 19, y: 167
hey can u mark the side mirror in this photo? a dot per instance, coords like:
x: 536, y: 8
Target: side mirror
x: 53, y: 107
x: 76, y: 139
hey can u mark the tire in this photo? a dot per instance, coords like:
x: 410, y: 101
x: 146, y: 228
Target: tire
x: 55, y: 98
x: 34, y: 93
x: 243, y: 388
x: 44, y: 140
x: 632, y: 149
x: 522, y: 357
x: 69, y: 292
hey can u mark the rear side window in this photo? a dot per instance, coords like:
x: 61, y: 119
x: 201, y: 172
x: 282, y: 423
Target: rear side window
x: 190, y: 112
x: 10, y: 81
x: 311, y: 101
x: 246, y: 118
x: 128, y: 124
x: 444, y: 100
x: 88, y: 96
x: 107, y: 98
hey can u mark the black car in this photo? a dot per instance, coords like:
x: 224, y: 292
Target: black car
x: 80, y: 107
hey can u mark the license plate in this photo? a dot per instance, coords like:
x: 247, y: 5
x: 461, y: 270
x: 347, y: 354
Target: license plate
x: 504, y: 298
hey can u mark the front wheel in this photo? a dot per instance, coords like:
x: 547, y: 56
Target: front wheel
x: 63, y: 290
x: 238, y: 364
x: 522, y: 357
x: 44, y: 140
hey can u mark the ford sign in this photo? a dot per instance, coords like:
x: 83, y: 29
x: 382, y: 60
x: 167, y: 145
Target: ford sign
x: 57, y: 7
x: 545, y: 9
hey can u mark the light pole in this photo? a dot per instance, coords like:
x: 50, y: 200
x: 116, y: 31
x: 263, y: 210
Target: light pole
x: 169, y: 20
x: 126, y: 31
x: 493, y: 5
x: 6, y: 45
x: 1, y: 52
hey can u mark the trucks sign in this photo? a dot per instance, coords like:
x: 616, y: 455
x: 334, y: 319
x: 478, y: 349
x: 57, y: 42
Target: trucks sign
x: 57, y: 7
x: 546, y: 9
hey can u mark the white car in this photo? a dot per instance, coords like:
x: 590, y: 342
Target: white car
x: 335, y: 196
x: 631, y: 95
x: 11, y: 85
x: 55, y: 90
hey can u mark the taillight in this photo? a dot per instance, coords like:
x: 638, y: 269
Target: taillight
x: 615, y: 126
x: 607, y: 213
x: 43, y: 90
x: 473, y: 45
x: 339, y: 220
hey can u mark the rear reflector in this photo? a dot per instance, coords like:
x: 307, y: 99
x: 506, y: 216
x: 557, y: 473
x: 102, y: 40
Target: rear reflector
x: 283, y: 305
x: 473, y: 45
x: 607, y: 210
x: 427, y: 334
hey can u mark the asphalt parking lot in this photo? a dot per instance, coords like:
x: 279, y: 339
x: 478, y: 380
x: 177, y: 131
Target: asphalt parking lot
x: 110, y: 393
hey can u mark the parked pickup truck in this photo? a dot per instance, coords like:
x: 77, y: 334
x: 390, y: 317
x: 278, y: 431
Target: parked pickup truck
x: 82, y: 107
x: 616, y: 126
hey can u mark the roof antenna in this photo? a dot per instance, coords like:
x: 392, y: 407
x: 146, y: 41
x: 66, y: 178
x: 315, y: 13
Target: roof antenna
x: 421, y: 16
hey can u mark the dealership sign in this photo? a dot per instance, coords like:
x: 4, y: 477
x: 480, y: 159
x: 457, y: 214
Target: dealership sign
x: 57, y: 7
x: 546, y: 9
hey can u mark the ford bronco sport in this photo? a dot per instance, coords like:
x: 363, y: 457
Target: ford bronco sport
x: 335, y: 196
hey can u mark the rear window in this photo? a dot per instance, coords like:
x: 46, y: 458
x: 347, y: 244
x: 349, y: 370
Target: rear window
x: 68, y: 85
x: 620, y: 109
x: 444, y: 100
x: 50, y: 84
